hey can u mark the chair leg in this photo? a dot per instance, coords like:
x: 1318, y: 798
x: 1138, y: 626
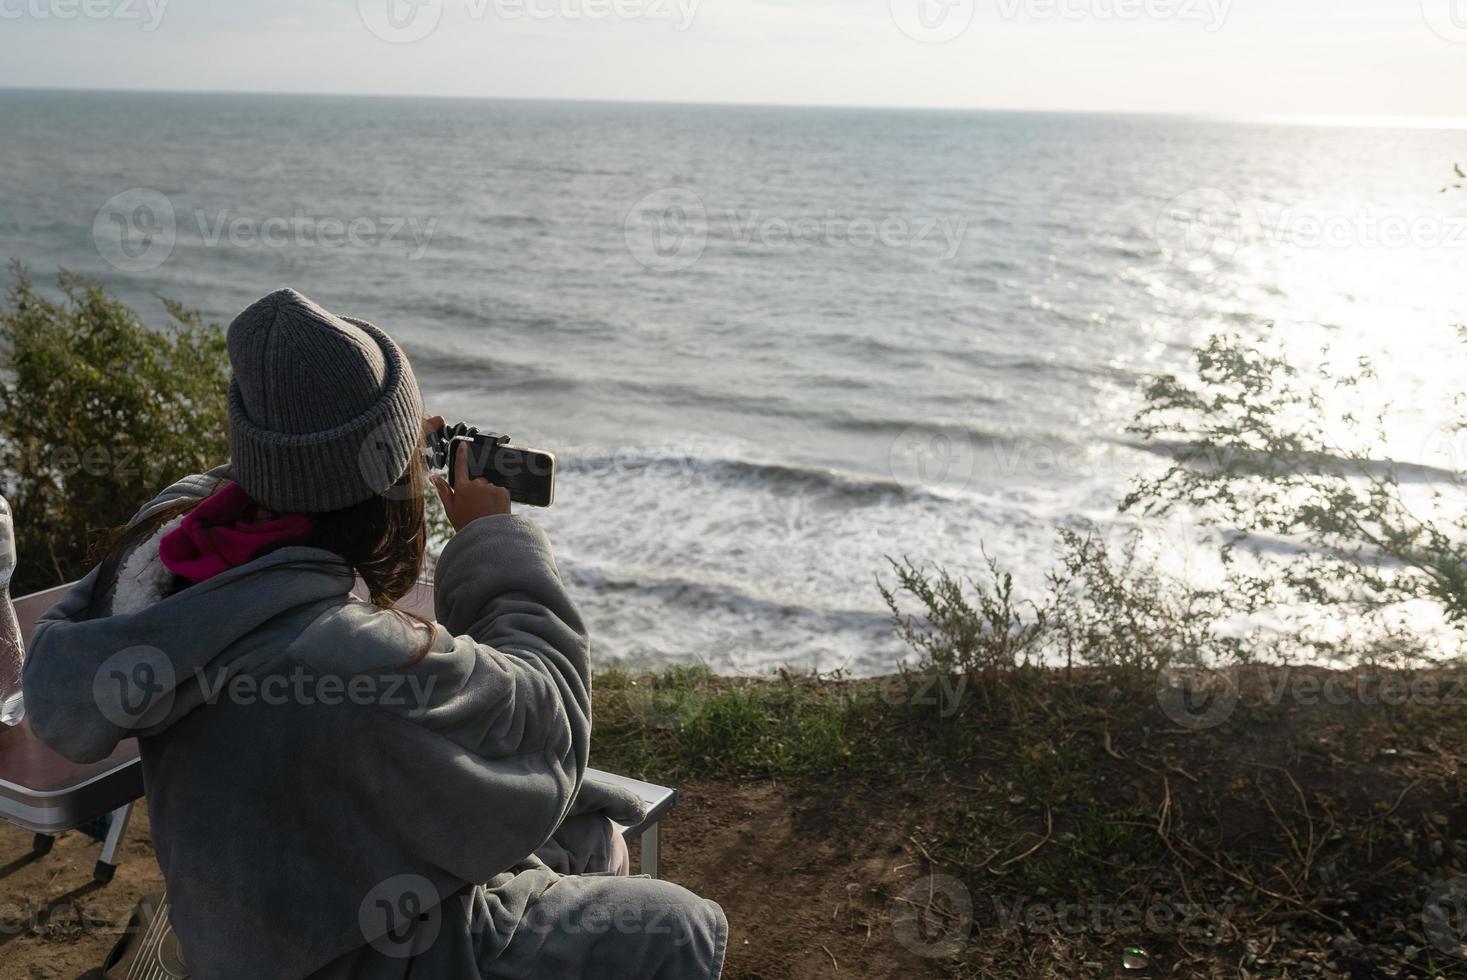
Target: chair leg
x: 651, y: 862
x: 106, y: 865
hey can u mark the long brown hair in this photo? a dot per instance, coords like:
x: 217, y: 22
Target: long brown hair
x: 384, y: 538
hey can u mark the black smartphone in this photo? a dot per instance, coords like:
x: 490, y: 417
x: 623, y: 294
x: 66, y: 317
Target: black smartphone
x: 528, y: 474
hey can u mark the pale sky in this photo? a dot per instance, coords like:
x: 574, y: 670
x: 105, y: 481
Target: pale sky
x: 1252, y: 57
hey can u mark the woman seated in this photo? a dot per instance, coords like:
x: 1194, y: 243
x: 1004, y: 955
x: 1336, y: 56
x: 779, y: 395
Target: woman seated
x: 338, y: 788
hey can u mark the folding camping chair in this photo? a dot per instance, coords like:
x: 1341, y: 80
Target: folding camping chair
x: 46, y: 794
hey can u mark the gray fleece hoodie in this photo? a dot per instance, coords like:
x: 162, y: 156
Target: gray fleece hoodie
x: 340, y: 791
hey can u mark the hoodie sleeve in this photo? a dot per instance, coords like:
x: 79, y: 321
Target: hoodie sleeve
x: 497, y: 583
x: 500, y: 734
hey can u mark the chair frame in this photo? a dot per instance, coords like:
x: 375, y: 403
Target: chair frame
x: 84, y: 794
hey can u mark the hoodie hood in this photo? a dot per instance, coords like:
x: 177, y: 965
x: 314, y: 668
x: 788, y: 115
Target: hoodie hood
x: 90, y: 683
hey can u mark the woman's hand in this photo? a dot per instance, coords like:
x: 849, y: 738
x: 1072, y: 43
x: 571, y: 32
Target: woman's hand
x: 468, y: 500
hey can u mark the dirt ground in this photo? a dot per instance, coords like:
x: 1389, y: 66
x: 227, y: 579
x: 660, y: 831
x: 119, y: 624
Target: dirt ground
x: 1295, y: 840
x: 802, y: 874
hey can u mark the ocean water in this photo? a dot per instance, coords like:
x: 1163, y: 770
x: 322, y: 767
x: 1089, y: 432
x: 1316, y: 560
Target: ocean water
x: 773, y: 346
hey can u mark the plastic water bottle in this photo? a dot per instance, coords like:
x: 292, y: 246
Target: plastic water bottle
x: 12, y: 648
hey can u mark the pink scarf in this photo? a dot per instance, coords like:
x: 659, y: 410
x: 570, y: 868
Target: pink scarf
x: 214, y: 537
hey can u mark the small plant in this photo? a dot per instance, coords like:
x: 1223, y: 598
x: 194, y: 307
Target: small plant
x: 970, y: 628
x: 1119, y: 612
x: 1106, y: 609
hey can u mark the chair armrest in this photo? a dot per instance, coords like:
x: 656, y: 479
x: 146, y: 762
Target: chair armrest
x: 28, y: 608
x: 659, y: 799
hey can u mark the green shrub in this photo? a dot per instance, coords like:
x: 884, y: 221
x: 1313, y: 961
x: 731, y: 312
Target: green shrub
x: 1103, y: 608
x: 1110, y: 608
x: 969, y: 627
x: 1264, y: 452
x: 97, y: 413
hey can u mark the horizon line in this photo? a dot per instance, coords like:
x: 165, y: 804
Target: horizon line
x: 1364, y: 121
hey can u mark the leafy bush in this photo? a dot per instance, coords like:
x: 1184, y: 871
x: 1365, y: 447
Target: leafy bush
x: 97, y: 413
x: 974, y: 628
x: 1119, y: 611
x: 1102, y: 608
x: 1258, y: 450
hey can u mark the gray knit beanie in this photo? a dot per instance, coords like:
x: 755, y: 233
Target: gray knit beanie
x: 324, y: 410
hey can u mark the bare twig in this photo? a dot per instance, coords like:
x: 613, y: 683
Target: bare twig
x: 1048, y: 829
x: 832, y: 958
